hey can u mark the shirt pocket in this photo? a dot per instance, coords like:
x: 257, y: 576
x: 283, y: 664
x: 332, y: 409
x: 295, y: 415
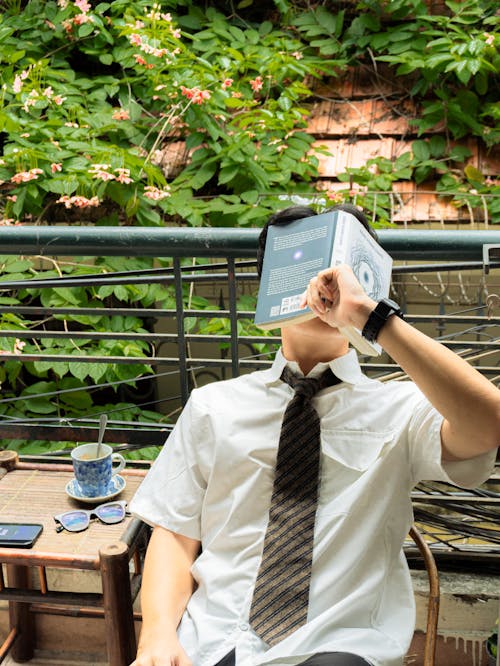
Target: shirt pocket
x: 352, y: 462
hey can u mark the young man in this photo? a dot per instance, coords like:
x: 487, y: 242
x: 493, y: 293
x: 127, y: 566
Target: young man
x: 212, y: 487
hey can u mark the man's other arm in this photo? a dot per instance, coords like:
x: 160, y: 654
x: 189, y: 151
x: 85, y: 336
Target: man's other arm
x: 167, y: 585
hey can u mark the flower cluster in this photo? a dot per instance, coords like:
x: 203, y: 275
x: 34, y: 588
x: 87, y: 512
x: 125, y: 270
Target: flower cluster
x: 79, y: 19
x: 195, y: 94
x: 257, y: 83
x: 101, y: 172
x: 26, y: 176
x: 155, y: 194
x: 78, y: 201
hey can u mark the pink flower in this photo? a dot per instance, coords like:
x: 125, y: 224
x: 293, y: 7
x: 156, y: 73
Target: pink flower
x: 83, y: 6
x: 25, y: 176
x: 55, y: 166
x: 12, y: 197
x: 123, y: 176
x: 100, y: 172
x: 103, y: 175
x: 78, y: 201
x: 121, y: 114
x: 257, y: 83
x: 59, y: 100
x: 201, y: 96
x: 18, y: 84
x: 139, y: 59
x: 198, y: 96
x: 297, y: 55
x: 489, y: 38
x: 80, y: 19
x: 155, y: 193
x: 48, y: 92
x: 227, y: 83
x: 135, y: 39
x: 18, y: 346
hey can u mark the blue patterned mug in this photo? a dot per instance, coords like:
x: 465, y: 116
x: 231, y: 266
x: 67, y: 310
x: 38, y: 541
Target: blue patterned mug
x: 94, y: 474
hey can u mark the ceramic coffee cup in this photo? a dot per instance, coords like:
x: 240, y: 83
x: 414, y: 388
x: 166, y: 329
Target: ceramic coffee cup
x: 94, y: 474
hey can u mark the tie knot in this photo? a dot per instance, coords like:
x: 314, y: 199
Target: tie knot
x: 308, y: 386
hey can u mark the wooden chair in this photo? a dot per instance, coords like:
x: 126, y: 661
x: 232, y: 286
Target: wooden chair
x: 433, y: 597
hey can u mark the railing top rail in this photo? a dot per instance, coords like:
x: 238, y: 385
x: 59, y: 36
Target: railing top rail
x: 423, y: 244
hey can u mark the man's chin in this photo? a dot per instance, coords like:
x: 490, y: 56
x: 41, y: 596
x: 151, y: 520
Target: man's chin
x: 318, y: 326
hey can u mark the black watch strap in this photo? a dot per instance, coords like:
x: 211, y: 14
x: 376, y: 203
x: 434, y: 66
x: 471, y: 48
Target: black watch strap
x: 384, y: 309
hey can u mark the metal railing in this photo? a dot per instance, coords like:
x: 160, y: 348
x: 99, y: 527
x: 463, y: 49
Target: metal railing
x: 229, y: 260
x: 224, y: 260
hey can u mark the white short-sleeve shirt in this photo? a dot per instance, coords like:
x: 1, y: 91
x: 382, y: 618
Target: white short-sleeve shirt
x: 213, y: 482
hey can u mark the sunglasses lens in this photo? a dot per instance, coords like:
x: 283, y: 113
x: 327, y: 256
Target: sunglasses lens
x: 111, y: 513
x: 74, y: 521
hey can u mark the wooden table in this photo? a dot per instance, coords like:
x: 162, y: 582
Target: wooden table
x: 33, y: 492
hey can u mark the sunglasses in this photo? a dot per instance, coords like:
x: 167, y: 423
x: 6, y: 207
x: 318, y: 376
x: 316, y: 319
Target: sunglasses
x: 79, y: 519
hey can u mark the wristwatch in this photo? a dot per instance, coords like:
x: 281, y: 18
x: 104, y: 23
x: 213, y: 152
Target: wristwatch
x: 385, y: 308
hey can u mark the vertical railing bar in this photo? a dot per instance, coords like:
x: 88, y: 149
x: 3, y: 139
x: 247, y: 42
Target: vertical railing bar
x: 233, y: 316
x: 181, y: 339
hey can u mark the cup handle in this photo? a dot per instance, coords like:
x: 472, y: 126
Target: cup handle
x: 117, y: 457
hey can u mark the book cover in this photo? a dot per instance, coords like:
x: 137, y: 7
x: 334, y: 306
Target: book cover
x: 296, y: 252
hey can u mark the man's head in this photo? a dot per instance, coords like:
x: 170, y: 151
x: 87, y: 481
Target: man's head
x: 298, y: 213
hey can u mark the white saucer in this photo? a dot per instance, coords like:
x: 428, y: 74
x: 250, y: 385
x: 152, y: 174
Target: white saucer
x: 116, y: 485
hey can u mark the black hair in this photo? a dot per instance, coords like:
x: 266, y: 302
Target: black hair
x: 293, y: 213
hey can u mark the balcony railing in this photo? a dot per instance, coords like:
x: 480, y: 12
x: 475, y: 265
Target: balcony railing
x: 228, y: 265
x: 446, y: 281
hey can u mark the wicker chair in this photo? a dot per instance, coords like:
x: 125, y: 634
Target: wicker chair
x: 433, y: 597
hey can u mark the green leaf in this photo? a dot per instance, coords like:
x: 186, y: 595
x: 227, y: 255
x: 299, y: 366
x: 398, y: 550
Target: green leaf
x: 437, y: 145
x: 77, y: 399
x: 203, y: 175
x: 421, y: 150
x: 79, y: 370
x: 106, y: 58
x: 473, y: 175
x: 147, y: 216
x: 422, y: 173
x: 85, y: 30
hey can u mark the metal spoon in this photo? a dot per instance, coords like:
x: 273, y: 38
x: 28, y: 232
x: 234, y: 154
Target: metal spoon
x: 103, y: 420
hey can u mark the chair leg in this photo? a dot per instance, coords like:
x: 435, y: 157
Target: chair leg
x: 118, y: 610
x: 20, y: 616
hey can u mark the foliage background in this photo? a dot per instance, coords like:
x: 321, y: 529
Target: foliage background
x: 184, y: 113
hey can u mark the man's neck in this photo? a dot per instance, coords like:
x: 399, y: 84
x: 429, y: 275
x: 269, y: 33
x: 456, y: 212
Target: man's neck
x: 311, y: 343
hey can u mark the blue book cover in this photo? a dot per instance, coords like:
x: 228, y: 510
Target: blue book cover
x: 297, y: 251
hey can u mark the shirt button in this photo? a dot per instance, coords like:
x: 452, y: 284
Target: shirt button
x: 244, y: 626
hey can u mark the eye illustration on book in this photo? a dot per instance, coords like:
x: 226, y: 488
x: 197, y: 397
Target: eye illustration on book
x: 365, y: 271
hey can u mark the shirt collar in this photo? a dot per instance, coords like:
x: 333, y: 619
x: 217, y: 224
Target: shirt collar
x: 345, y: 367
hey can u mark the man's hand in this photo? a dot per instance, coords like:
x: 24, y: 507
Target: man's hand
x: 337, y: 298
x: 161, y: 651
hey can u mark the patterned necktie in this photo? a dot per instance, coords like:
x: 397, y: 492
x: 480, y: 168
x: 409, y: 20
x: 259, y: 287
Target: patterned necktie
x: 281, y: 594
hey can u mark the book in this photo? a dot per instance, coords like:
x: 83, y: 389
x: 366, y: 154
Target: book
x: 297, y: 251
